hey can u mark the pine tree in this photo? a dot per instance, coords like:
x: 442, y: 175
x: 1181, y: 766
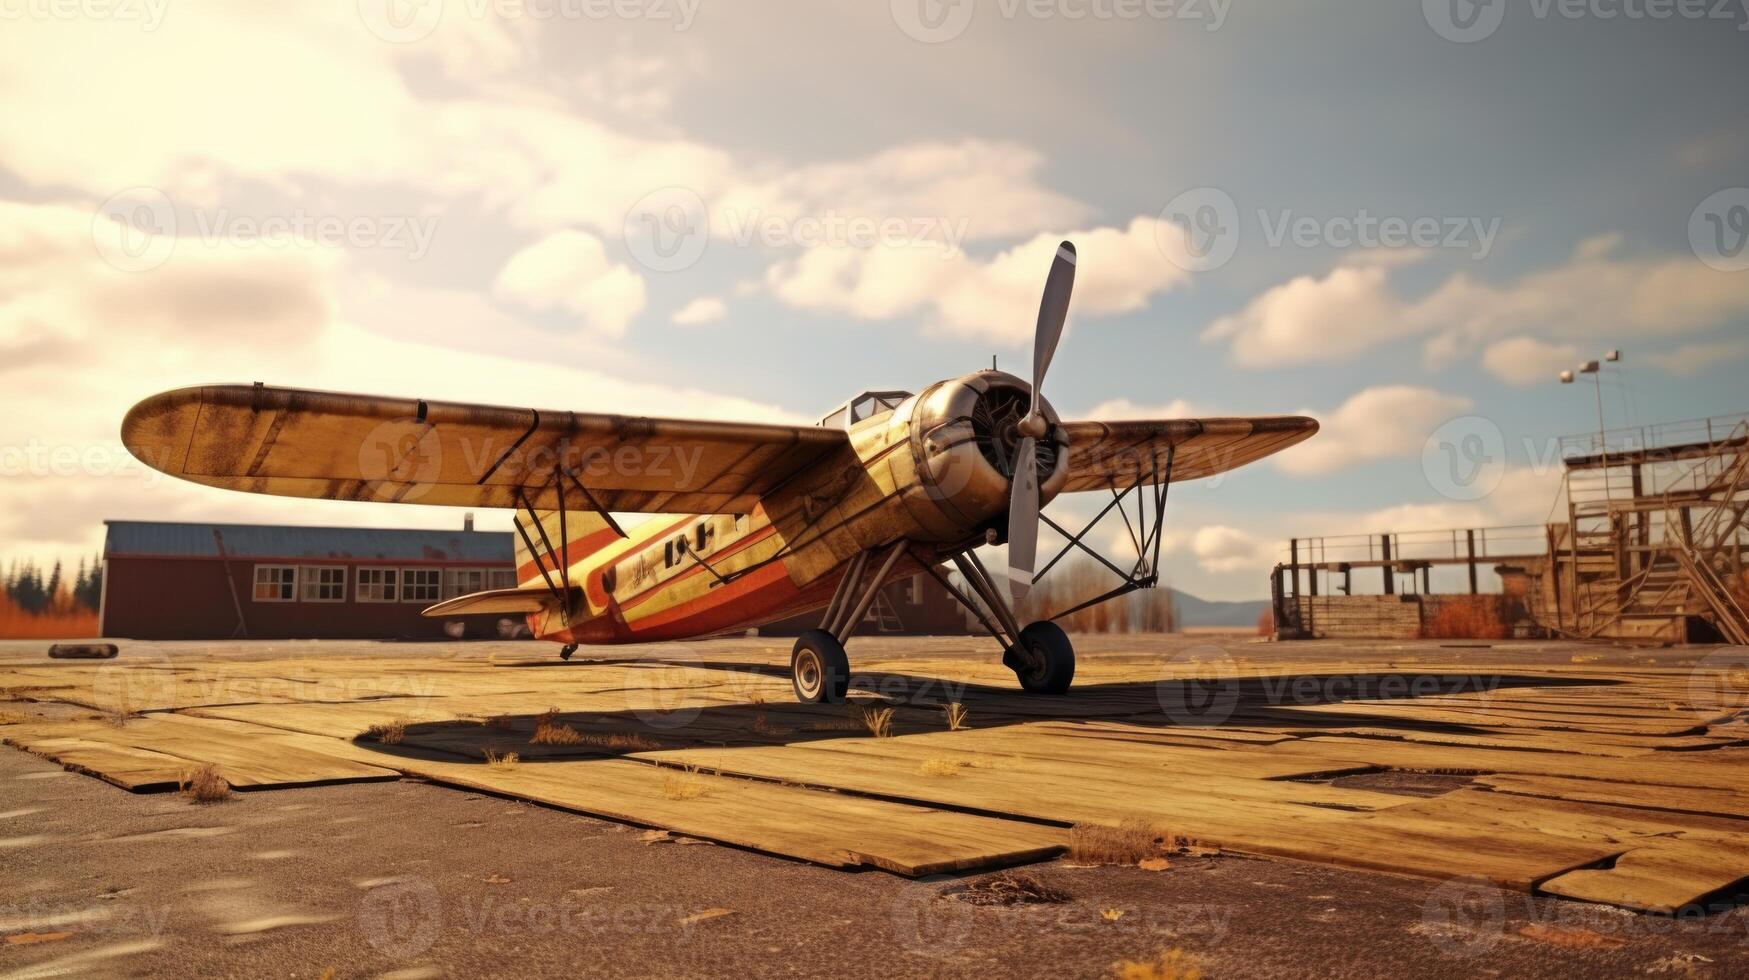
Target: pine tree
x: 89, y: 593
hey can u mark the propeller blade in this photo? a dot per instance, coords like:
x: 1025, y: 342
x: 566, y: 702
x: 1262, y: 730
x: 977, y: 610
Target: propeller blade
x: 1023, y: 519
x: 1053, y: 310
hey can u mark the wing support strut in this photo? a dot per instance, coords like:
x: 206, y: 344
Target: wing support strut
x: 1146, y: 538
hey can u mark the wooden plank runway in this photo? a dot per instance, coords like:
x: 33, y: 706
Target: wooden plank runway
x: 1585, y: 772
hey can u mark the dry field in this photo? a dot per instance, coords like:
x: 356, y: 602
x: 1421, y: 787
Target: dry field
x: 1607, y: 775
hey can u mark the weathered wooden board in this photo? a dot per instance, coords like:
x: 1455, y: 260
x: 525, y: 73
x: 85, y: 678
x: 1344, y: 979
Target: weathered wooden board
x: 249, y: 757
x: 826, y: 828
x: 1661, y: 875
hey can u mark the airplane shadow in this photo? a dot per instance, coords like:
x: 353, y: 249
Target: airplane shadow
x: 650, y: 722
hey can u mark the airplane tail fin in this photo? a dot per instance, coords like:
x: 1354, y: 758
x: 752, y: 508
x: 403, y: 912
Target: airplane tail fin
x: 588, y: 532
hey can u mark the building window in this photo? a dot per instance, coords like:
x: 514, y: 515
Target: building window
x: 463, y: 581
x: 323, y: 583
x: 275, y: 583
x: 377, y: 584
x: 421, y: 584
x: 501, y: 578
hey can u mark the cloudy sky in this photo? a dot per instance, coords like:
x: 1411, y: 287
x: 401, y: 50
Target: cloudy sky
x: 1403, y: 218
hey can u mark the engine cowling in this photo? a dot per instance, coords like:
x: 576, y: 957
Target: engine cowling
x: 962, y: 437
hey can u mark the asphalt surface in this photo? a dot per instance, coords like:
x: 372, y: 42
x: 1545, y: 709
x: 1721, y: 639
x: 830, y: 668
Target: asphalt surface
x: 413, y: 880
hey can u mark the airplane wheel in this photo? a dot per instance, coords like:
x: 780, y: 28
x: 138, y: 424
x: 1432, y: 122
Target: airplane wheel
x: 819, y: 669
x: 1051, y: 668
x: 566, y: 651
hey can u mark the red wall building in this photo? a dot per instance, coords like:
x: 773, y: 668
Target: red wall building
x: 165, y: 581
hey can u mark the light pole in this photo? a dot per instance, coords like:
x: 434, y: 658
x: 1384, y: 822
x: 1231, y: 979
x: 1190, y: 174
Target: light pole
x: 1595, y: 369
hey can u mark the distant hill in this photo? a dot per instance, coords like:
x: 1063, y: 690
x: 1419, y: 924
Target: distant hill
x: 1193, y: 611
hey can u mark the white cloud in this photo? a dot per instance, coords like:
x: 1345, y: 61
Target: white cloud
x: 1118, y: 270
x: 1594, y: 296
x: 570, y: 270
x: 1220, y: 548
x: 1526, y: 361
x: 367, y: 116
x: 1691, y: 359
x: 1376, y: 423
x: 224, y: 314
x: 1309, y: 320
x: 705, y: 309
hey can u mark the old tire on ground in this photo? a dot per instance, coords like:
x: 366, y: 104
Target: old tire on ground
x: 1051, y: 667
x: 818, y: 668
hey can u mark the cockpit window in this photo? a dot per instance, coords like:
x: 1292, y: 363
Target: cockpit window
x: 864, y: 406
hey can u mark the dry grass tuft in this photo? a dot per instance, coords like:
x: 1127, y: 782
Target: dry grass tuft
x: 205, y: 785
x: 500, y: 760
x: 389, y: 734
x: 503, y: 723
x: 1009, y: 888
x: 941, y: 767
x: 878, y: 721
x: 1173, y: 964
x: 956, y: 716
x: 622, y: 741
x: 548, y: 730
x: 687, y: 785
x: 12, y: 717
x: 1266, y: 623
x: 1131, y: 842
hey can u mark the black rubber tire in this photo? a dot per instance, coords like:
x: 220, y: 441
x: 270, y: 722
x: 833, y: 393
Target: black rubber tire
x: 818, y: 669
x: 1049, y: 644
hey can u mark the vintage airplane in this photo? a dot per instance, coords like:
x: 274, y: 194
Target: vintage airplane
x: 769, y: 520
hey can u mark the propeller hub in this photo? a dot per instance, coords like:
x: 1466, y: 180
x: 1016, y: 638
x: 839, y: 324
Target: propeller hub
x: 1034, y: 425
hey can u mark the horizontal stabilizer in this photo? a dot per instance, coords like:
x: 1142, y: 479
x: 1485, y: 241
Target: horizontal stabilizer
x: 497, y: 601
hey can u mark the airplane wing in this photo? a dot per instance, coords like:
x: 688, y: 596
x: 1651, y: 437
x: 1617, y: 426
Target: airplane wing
x: 297, y: 443
x: 1103, y: 455
x: 498, y: 601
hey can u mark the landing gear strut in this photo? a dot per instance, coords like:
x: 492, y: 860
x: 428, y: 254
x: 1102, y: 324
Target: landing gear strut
x: 1040, y: 654
x: 819, y: 670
